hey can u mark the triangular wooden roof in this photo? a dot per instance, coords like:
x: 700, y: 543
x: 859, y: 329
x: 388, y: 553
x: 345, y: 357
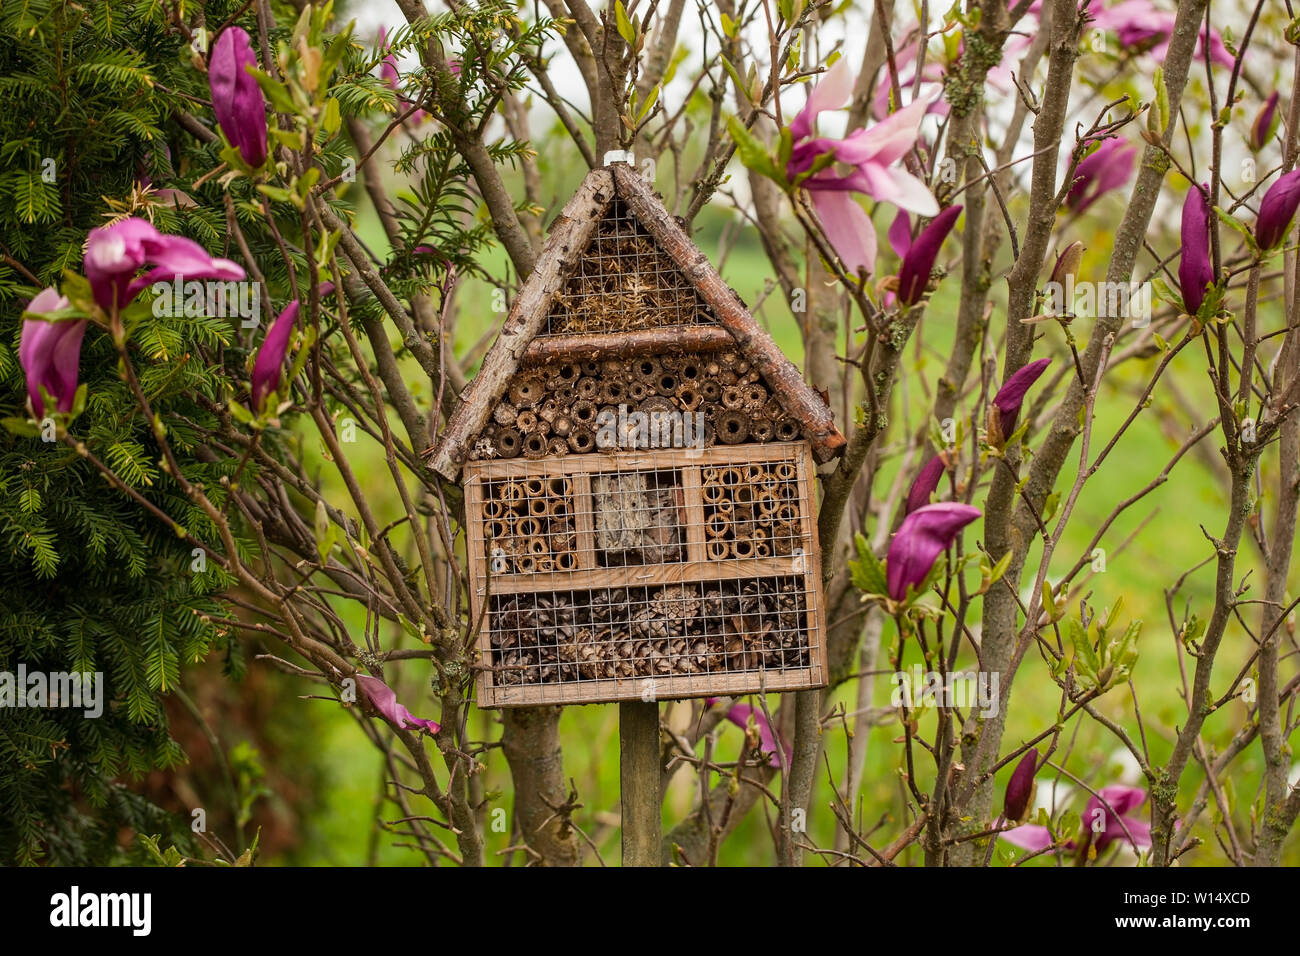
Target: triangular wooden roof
x: 518, y: 343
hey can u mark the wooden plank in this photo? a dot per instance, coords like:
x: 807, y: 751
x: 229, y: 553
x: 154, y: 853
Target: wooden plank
x: 816, y: 615
x: 640, y: 778
x: 694, y: 516
x: 679, y: 687
x: 649, y: 459
x: 568, y: 238
x: 647, y: 575
x: 802, y: 401
x: 583, y: 521
x: 595, y: 346
x: 475, y: 556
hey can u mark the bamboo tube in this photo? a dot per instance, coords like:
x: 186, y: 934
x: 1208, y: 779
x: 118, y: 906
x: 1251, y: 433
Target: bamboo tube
x: 761, y: 429
x: 689, y: 371
x: 612, y: 392
x: 540, y: 507
x: 567, y: 373
x: 527, y: 421
x: 638, y: 391
x: 566, y: 561
x: 534, y: 445
x: 493, y: 508
x: 768, y: 482
x: 717, y: 549
x: 509, y: 442
x: 533, y: 488
x: 710, y: 390
x: 525, y: 564
x: 732, y: 398
x: 717, y: 525
x: 742, y: 548
x: 744, y: 493
x: 689, y: 397
x: 537, y: 546
x: 504, y: 413
x: 559, y: 487
x: 528, y: 527
x: 498, y: 530
x: 767, y: 502
x: 725, y: 507
x: 587, y: 388
x: 582, y: 440
x: 526, y: 391
x: 589, y: 368
x: 666, y: 384
x: 557, y: 446
x: 729, y: 476
x: 646, y: 369
x: 787, y: 429
x: 785, y: 471
x: 564, y: 396
x: 753, y: 473
x: 732, y: 426
x: 787, y: 512
x: 584, y: 412
x: 712, y: 492
x: 545, y: 565
x: 560, y: 427
x: 709, y: 473
x: 762, y: 549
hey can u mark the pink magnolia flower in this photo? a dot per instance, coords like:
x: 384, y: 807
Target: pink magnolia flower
x: 116, y: 253
x: 269, y: 364
x: 918, y: 261
x: 1195, y: 271
x: 1262, y: 129
x: 388, y: 73
x: 869, y: 155
x: 924, y: 534
x: 1103, y: 824
x: 1020, y: 788
x: 925, y: 483
x: 50, y: 353
x: 739, y: 715
x: 1108, y: 167
x: 1277, y: 209
x: 1004, y: 410
x: 384, y: 699
x: 1142, y: 25
x: 236, y: 98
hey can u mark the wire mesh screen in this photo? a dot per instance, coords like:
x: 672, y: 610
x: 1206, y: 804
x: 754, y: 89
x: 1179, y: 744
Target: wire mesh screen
x: 624, y: 282
x: 670, y: 400
x: 672, y: 573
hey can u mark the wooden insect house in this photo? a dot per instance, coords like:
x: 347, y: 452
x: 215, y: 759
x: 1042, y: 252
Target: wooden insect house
x: 638, y: 464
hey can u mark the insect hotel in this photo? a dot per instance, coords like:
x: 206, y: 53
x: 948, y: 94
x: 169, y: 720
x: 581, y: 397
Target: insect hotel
x: 638, y: 464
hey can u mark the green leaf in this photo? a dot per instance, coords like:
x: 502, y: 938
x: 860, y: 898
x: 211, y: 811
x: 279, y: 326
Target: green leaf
x: 868, y: 572
x: 626, y: 29
x: 753, y: 154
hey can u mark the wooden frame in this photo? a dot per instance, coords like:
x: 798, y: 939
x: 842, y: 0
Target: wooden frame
x: 804, y: 567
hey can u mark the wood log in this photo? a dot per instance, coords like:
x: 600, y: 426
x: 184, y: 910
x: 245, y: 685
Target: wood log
x: 569, y: 235
x: 595, y: 346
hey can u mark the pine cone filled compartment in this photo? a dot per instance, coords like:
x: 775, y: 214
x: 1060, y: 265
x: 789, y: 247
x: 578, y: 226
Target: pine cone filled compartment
x: 678, y: 630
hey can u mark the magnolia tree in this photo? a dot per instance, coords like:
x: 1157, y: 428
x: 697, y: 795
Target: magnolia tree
x: 969, y: 219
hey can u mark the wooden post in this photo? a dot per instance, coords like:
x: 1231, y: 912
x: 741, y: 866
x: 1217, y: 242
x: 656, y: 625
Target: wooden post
x: 639, y: 775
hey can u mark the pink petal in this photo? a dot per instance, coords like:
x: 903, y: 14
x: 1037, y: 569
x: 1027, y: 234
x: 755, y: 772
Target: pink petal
x: 1028, y: 837
x: 830, y: 93
x: 849, y: 229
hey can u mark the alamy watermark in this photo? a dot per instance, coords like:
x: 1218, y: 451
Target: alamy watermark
x: 624, y: 429
x: 222, y: 300
x: 969, y: 690
x: 1123, y: 300
x: 76, y: 689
